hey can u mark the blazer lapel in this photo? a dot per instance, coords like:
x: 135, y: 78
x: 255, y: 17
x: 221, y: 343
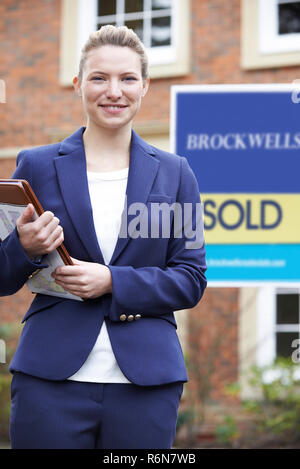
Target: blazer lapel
x: 143, y: 168
x: 72, y: 178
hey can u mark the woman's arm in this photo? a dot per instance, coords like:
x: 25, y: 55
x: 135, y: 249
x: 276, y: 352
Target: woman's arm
x: 152, y: 291
x: 28, y: 240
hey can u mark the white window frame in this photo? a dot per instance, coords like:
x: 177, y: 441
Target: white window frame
x: 79, y: 18
x: 88, y: 20
x: 267, y: 327
x: 270, y: 41
x: 252, y: 58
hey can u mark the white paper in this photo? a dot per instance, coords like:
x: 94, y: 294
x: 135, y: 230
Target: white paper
x: 41, y: 282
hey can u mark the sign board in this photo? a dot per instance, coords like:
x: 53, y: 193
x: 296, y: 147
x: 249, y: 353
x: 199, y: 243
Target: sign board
x: 243, y: 144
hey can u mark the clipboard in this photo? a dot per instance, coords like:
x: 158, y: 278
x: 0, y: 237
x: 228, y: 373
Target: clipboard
x: 15, y: 195
x: 19, y: 192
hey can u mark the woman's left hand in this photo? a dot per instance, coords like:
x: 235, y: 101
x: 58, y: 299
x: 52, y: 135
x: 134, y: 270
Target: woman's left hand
x: 84, y: 279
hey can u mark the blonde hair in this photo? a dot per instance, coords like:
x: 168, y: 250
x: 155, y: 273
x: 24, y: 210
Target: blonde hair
x: 114, y: 36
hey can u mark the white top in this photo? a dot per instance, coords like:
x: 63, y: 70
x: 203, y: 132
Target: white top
x: 107, y: 194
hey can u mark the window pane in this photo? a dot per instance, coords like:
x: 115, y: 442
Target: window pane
x: 284, y: 343
x: 161, y: 4
x: 137, y: 26
x: 289, y: 18
x: 106, y: 8
x: 132, y: 6
x: 287, y: 309
x: 161, y: 31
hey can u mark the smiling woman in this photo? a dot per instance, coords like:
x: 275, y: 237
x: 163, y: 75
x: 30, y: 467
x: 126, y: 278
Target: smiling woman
x: 111, y: 92
x: 112, y: 80
x: 107, y: 372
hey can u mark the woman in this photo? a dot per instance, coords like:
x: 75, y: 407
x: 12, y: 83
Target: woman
x: 106, y: 372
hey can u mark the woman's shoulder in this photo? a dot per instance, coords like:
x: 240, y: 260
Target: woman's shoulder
x: 173, y: 164
x: 42, y: 150
x: 161, y: 155
x: 167, y: 156
x: 171, y: 161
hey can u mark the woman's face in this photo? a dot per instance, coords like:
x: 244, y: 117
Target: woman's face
x: 112, y: 86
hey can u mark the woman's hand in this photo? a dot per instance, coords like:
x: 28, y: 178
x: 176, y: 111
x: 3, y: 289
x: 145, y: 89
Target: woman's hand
x: 84, y: 279
x: 40, y: 236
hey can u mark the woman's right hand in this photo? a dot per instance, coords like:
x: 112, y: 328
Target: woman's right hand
x: 40, y: 236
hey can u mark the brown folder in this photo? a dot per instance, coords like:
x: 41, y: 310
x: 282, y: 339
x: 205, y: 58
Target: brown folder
x: 19, y: 192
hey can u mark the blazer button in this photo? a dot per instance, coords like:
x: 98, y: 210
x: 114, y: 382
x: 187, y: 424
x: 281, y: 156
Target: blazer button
x: 123, y: 317
x: 137, y: 316
x: 130, y: 318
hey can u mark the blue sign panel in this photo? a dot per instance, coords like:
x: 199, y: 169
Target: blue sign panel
x: 243, y: 144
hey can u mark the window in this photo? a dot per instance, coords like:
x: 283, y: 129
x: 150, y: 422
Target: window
x: 269, y: 323
x: 278, y: 311
x: 152, y: 20
x: 270, y: 34
x: 163, y: 25
x: 279, y: 26
x: 289, y: 17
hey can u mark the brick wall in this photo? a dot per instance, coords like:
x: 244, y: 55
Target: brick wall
x: 213, y: 339
x: 7, y: 166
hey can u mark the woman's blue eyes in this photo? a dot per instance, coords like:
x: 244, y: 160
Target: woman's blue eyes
x: 124, y: 79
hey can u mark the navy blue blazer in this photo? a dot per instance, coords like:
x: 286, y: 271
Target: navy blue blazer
x: 151, y: 277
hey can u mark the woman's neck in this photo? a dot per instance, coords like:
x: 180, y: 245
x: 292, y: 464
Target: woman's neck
x: 107, y: 149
